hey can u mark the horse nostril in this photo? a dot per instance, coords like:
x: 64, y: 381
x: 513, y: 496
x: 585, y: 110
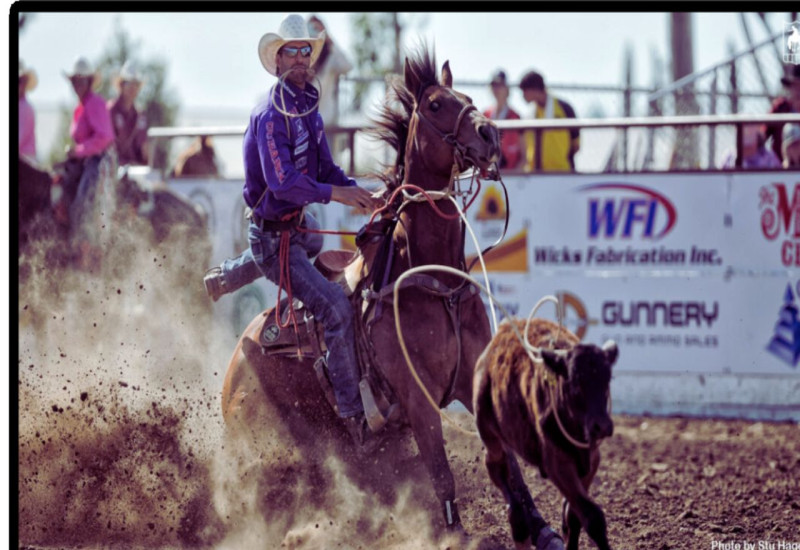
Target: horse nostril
x: 486, y: 131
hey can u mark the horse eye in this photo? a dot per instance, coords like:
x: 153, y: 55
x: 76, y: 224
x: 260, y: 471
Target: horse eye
x: 434, y: 106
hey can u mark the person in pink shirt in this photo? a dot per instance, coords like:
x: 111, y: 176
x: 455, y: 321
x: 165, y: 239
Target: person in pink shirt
x: 27, y: 133
x: 93, y: 134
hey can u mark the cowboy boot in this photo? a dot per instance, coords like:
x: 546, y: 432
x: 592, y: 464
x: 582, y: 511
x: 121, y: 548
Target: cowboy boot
x: 215, y: 283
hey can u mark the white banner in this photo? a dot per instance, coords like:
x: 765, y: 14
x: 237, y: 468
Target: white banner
x: 765, y: 211
x: 696, y: 276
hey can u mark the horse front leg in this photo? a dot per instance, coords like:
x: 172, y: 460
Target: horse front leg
x: 426, y: 424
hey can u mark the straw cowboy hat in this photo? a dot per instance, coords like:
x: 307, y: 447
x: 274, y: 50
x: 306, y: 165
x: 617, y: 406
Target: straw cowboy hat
x: 30, y: 74
x: 292, y: 29
x: 129, y: 73
x: 82, y: 67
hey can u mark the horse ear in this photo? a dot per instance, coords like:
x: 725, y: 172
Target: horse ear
x: 556, y: 362
x: 447, y: 76
x: 411, y: 78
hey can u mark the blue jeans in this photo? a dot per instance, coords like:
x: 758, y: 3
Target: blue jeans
x: 83, y: 203
x: 242, y: 270
x: 323, y: 298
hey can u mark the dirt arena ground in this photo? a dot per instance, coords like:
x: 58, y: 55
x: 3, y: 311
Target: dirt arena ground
x: 121, y: 446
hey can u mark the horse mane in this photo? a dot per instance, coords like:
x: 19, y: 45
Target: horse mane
x: 392, y: 121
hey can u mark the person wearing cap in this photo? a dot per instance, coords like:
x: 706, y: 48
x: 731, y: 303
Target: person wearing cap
x: 130, y: 126
x: 27, y: 118
x: 558, y: 146
x: 92, y: 134
x: 510, y: 150
x: 288, y: 166
x: 790, y: 146
x: 789, y: 103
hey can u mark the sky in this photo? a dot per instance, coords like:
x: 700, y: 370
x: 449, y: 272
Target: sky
x: 216, y: 76
x: 213, y: 58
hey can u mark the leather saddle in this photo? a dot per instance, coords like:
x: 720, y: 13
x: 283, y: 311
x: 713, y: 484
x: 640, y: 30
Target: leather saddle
x: 349, y: 269
x: 308, y: 341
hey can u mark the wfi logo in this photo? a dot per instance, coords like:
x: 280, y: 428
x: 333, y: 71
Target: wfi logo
x: 791, y: 48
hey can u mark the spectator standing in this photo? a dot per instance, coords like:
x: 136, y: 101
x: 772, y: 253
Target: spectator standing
x: 791, y: 146
x: 789, y: 103
x: 331, y: 65
x: 558, y: 146
x: 509, y: 139
x: 130, y: 126
x: 27, y: 118
x: 755, y: 153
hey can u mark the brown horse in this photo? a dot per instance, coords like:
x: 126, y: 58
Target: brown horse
x: 434, y: 129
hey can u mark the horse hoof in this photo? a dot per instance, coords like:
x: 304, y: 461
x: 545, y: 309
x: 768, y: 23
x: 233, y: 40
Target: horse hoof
x: 549, y: 540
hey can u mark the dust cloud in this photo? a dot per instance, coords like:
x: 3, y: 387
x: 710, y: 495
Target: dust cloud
x: 121, y: 439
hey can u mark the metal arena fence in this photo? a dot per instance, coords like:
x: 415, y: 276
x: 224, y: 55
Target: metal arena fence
x: 636, y: 129
x: 745, y: 83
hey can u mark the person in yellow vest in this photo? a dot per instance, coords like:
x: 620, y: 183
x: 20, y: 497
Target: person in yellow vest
x: 558, y: 146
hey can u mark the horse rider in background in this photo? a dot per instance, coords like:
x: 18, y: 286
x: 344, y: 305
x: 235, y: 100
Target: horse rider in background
x: 92, y: 135
x: 130, y: 126
x: 27, y: 118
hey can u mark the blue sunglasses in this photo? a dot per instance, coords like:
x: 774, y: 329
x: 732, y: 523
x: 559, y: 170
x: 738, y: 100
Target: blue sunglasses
x: 290, y: 51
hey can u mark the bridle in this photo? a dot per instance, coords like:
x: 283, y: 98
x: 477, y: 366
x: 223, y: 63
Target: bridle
x: 460, y: 151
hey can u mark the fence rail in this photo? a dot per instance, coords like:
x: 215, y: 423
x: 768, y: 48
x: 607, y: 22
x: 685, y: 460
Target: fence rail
x: 538, y: 126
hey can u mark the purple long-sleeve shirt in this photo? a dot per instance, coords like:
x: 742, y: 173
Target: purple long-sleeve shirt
x: 286, y: 169
x: 91, y: 126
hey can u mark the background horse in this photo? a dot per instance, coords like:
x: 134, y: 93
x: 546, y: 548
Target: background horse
x: 42, y: 218
x: 434, y: 130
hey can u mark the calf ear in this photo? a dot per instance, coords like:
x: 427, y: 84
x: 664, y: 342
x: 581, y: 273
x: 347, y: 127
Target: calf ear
x: 556, y: 361
x: 611, y: 351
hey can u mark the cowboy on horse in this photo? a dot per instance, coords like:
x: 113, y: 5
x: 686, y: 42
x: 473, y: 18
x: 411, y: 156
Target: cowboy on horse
x: 288, y: 165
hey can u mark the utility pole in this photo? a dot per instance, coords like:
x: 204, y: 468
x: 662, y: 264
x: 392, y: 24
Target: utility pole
x: 685, y: 151
x: 398, y: 67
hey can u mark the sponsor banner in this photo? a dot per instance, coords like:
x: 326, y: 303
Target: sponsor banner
x: 701, y: 324
x: 664, y: 320
x: 765, y: 215
x: 763, y: 325
x: 624, y: 222
x: 680, y: 328
x: 631, y: 223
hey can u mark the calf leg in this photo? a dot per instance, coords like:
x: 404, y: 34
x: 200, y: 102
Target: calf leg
x: 579, y: 505
x: 571, y: 526
x: 526, y: 523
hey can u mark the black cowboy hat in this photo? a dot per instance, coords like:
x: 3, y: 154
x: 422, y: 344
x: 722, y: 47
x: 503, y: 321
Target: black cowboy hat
x: 792, y: 75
